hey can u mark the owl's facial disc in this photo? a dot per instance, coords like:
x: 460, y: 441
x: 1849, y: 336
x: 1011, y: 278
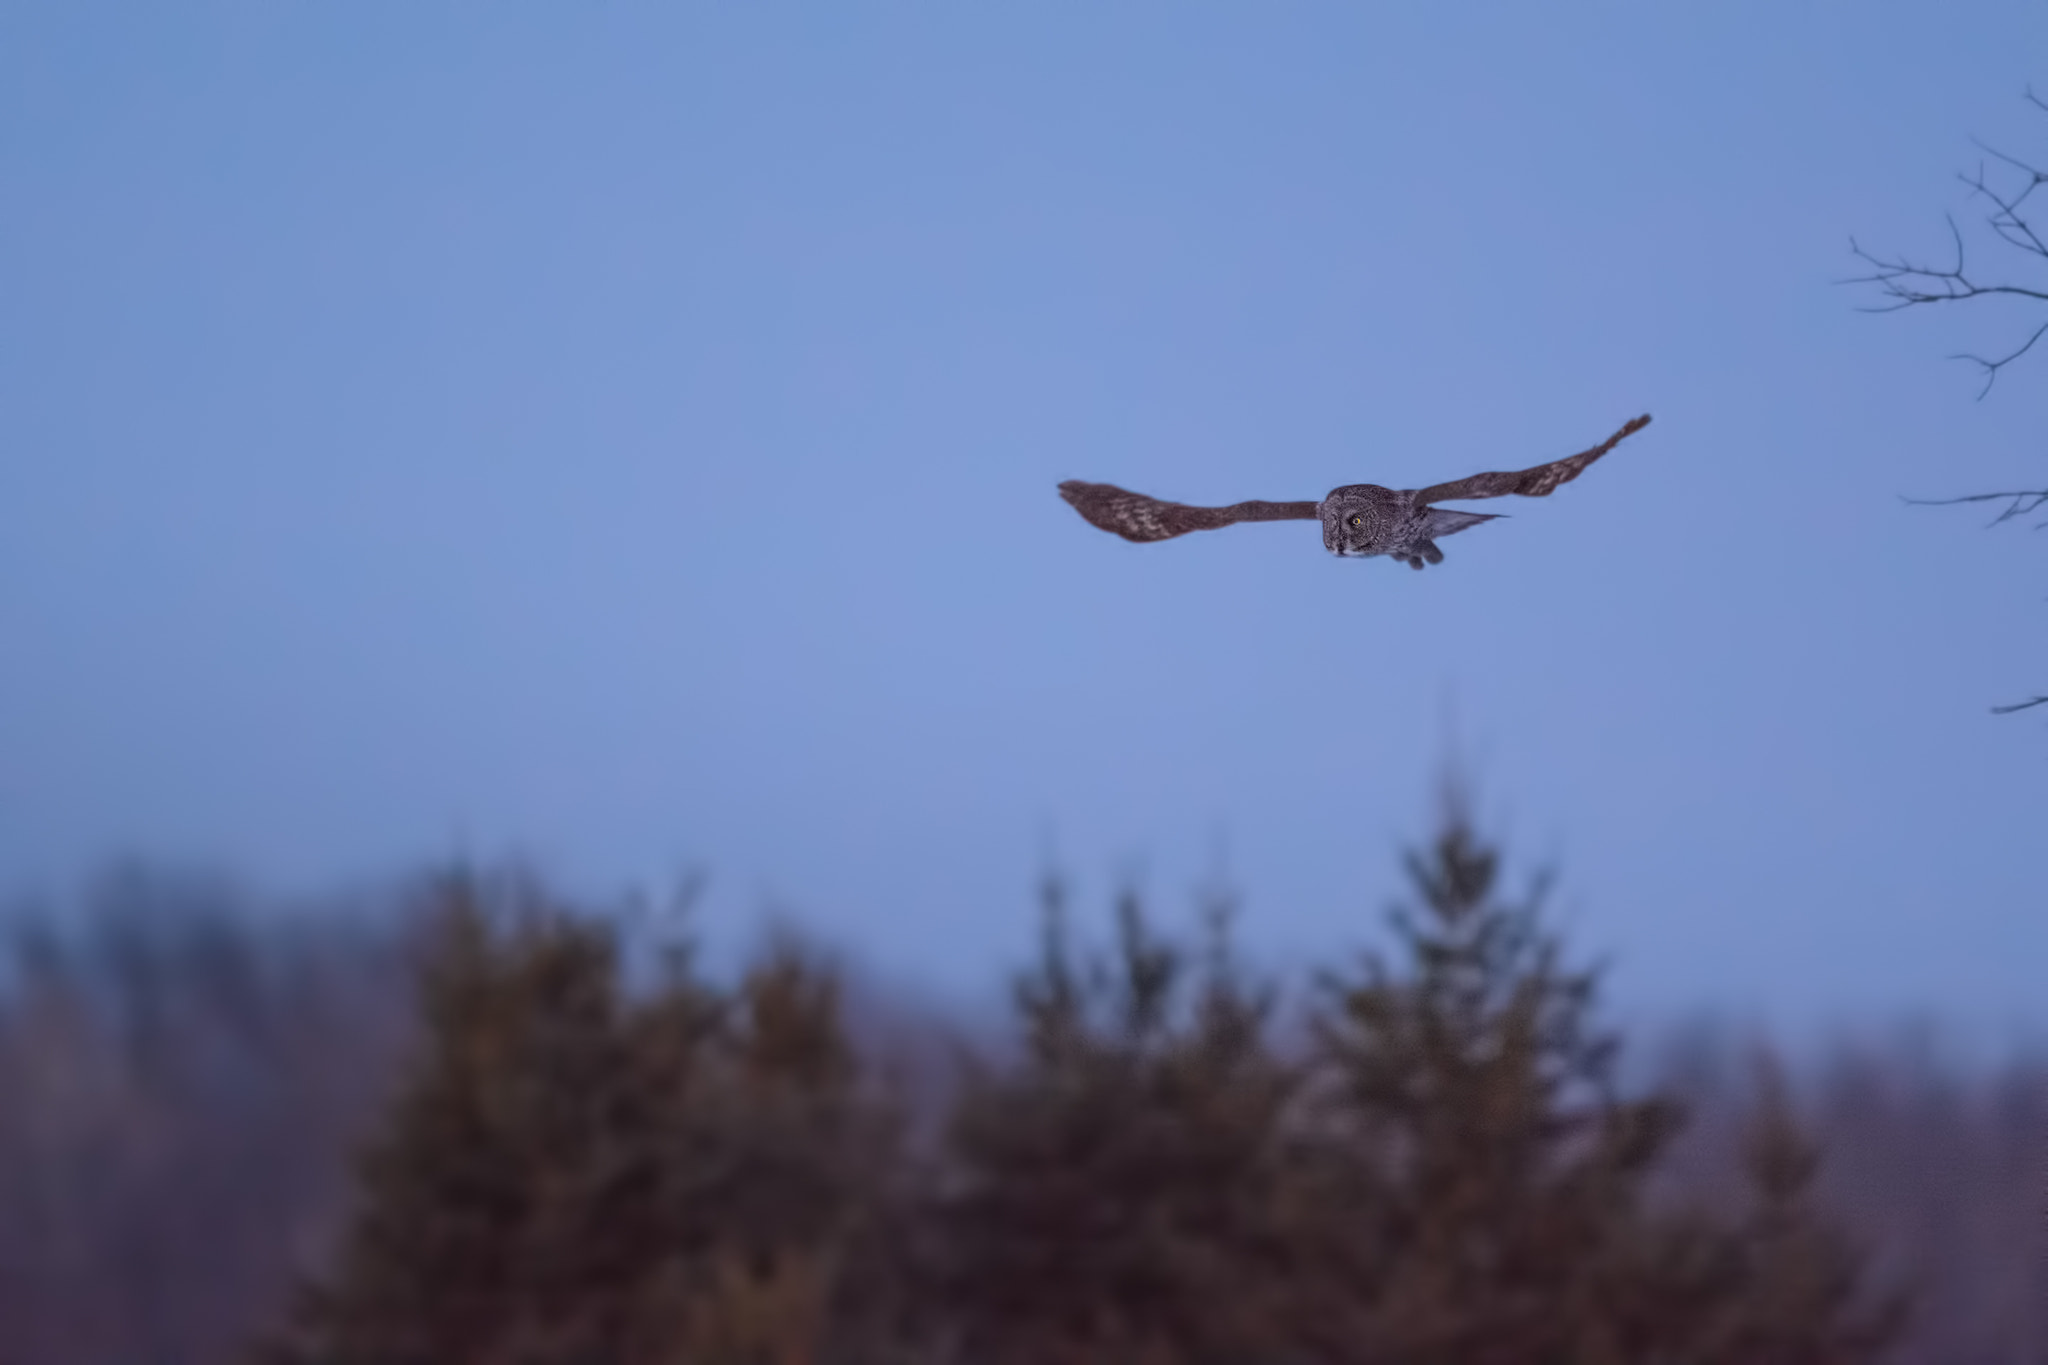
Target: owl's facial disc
x: 1356, y: 519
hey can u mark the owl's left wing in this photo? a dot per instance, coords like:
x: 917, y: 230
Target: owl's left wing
x: 1537, y: 482
x: 1137, y: 517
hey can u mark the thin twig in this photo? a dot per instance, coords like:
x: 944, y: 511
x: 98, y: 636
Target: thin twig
x: 1992, y: 367
x: 2023, y: 503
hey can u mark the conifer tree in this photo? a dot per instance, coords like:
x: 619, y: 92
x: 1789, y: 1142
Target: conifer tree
x: 793, y: 1175
x: 1117, y: 1195
x: 574, y: 1172
x: 503, y: 1210
x: 1494, y: 1178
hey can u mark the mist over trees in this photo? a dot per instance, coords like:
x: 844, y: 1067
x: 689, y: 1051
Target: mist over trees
x: 181, y: 1074
x: 506, y: 1126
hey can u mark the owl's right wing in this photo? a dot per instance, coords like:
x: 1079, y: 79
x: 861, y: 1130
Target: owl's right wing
x: 1137, y: 517
x: 1539, y: 481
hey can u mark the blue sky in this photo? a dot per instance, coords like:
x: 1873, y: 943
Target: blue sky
x: 625, y: 436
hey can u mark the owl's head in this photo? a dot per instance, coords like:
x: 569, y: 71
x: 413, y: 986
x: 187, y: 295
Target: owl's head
x: 1360, y: 519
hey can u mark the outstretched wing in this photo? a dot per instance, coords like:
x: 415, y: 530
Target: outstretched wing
x: 1538, y: 482
x: 1137, y: 517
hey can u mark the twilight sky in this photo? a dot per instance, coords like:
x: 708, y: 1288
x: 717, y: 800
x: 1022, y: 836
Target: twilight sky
x: 624, y: 436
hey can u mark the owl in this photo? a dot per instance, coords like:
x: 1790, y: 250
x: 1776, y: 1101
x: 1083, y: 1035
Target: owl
x: 1360, y: 520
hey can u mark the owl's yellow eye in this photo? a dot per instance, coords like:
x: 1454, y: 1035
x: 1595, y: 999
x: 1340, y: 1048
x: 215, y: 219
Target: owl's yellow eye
x: 1358, y: 521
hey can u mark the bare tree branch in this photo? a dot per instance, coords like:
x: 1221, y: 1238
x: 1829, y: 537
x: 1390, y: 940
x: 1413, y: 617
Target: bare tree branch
x: 1903, y: 281
x: 2022, y: 503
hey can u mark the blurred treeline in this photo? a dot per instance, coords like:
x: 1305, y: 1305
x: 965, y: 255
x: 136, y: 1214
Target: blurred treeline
x: 502, y: 1128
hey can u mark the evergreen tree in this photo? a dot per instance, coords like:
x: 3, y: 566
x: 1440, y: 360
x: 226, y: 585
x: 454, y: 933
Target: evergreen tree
x: 1117, y: 1195
x: 503, y: 1205
x: 789, y: 1167
x: 1493, y: 1179
x: 573, y: 1172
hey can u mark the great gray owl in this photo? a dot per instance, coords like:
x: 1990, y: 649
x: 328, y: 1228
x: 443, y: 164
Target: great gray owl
x: 1359, y: 519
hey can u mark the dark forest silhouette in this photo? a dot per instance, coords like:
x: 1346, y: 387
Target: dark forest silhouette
x: 504, y: 1128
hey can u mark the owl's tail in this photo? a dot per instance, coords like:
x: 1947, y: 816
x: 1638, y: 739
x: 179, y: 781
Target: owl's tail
x: 1443, y: 521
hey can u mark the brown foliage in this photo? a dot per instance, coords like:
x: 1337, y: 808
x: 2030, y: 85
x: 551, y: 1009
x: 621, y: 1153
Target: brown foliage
x: 1123, y: 1192
x: 578, y: 1172
x: 581, y: 1172
x: 1501, y: 1182
x: 595, y: 1154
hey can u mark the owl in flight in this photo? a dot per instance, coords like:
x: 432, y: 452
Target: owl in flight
x: 1359, y: 519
